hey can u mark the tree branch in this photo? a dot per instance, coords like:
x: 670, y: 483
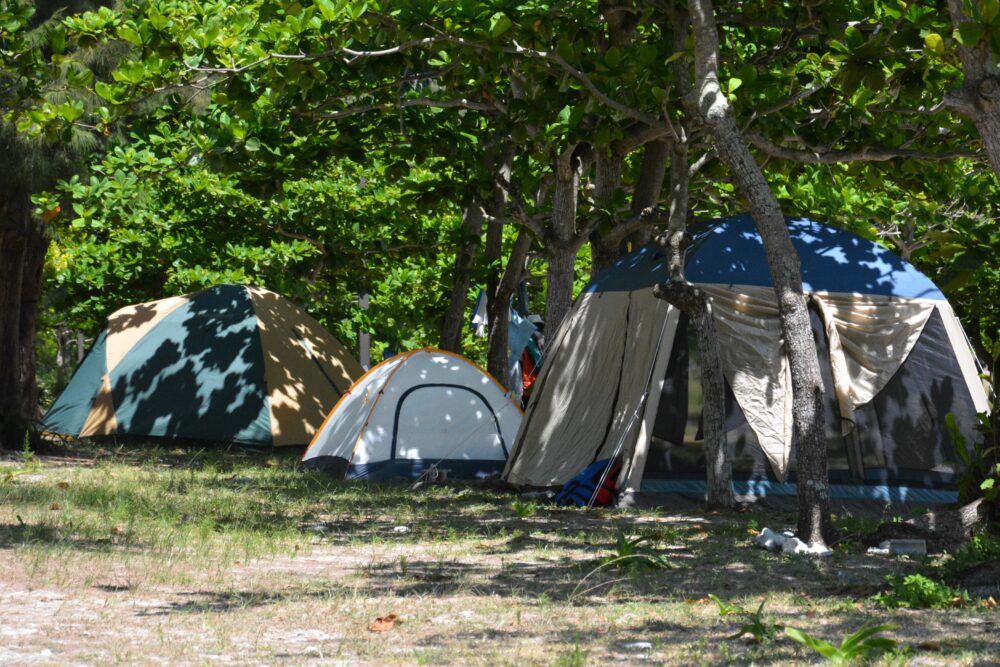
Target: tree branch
x: 410, y: 102
x: 864, y: 154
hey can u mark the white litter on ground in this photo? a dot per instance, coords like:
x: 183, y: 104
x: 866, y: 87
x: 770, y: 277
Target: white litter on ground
x: 787, y: 543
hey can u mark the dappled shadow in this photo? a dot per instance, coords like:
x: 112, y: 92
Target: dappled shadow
x: 207, y: 602
x: 227, y: 364
x: 16, y: 535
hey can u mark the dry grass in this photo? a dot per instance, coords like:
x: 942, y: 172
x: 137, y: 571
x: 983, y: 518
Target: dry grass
x: 184, y: 557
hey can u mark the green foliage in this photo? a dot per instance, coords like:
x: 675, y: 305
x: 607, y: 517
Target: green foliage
x: 760, y: 629
x: 915, y: 591
x: 634, y: 553
x: 524, y: 508
x: 859, y: 645
x: 980, y: 472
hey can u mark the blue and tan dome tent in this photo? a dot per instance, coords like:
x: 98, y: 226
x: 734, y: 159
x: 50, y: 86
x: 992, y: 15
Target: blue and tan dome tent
x: 414, y: 411
x: 229, y: 363
x: 622, y: 376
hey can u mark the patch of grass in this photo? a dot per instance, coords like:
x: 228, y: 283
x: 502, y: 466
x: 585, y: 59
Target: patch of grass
x: 915, y: 591
x: 524, y: 508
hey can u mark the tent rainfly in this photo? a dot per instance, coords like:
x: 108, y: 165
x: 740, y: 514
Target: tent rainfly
x: 417, y: 410
x: 622, y: 375
x: 230, y: 363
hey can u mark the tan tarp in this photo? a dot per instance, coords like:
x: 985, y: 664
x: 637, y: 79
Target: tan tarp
x: 976, y: 381
x: 128, y: 325
x: 869, y: 338
x: 599, y: 367
x: 746, y: 320
x: 305, y: 368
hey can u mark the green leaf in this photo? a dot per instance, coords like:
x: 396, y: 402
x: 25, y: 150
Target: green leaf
x: 969, y: 33
x: 499, y: 24
x: 329, y: 10
x: 734, y: 83
x: 934, y: 43
x: 853, y: 37
x: 252, y: 144
x: 988, y: 484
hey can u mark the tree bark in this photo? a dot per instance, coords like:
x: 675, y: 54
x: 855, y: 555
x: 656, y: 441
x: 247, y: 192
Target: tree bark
x: 465, y: 259
x: 649, y: 188
x: 497, y: 353
x: 979, y: 97
x: 605, y: 249
x: 814, y: 525
x: 695, y: 304
x: 563, y: 242
x: 36, y: 247
x: 14, y: 245
x: 498, y: 298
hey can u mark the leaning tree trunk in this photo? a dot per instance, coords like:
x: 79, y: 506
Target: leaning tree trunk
x: 497, y: 353
x: 979, y: 97
x: 814, y: 524
x: 498, y: 297
x: 465, y: 259
x: 655, y: 157
x: 695, y: 304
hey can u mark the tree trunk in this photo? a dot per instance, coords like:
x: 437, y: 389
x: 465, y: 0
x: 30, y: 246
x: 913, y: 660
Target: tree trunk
x: 696, y: 305
x: 605, y: 249
x: 465, y: 259
x: 979, y: 97
x: 13, y: 252
x: 649, y: 188
x: 563, y: 242
x: 497, y: 353
x: 498, y: 298
x: 814, y: 526
x: 36, y: 246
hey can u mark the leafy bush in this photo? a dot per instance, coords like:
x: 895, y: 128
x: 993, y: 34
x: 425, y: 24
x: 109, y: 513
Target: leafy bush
x: 859, y: 645
x: 916, y: 591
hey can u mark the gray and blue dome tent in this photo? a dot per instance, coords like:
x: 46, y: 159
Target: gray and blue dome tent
x: 621, y: 375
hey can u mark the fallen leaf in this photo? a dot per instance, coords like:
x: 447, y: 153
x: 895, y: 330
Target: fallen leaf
x: 119, y: 529
x: 990, y: 602
x: 810, y: 613
x: 929, y: 646
x: 63, y: 485
x: 54, y: 506
x: 383, y: 623
x: 957, y: 601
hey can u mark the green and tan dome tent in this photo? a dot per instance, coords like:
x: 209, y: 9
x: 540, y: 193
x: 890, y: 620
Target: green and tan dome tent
x: 230, y: 363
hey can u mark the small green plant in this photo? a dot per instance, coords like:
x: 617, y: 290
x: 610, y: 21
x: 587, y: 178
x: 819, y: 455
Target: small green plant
x: 859, y: 645
x: 524, y: 508
x: 915, y: 591
x: 634, y: 552
x: 761, y: 631
x: 726, y: 609
x: 575, y: 658
x: 980, y: 474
